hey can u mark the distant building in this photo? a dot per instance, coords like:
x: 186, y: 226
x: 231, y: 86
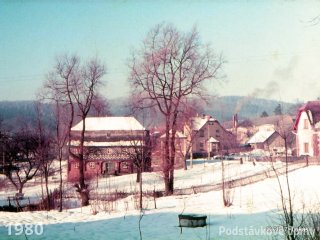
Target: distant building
x: 263, y: 127
x: 208, y: 136
x: 268, y: 140
x: 109, y: 145
x: 307, y: 129
x: 158, y: 150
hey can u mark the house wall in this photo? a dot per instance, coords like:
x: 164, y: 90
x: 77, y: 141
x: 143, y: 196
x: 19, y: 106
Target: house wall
x: 274, y: 143
x: 116, y: 156
x: 226, y: 139
x: 96, y: 168
x: 305, y: 135
x: 157, y: 154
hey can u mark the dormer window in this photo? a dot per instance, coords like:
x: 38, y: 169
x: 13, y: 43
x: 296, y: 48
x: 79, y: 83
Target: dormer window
x: 305, y: 124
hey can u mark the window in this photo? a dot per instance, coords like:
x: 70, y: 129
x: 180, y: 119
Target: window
x: 125, y: 165
x: 306, y: 147
x: 92, y: 165
x: 201, y: 145
x: 217, y: 130
x: 305, y: 124
x: 201, y: 133
x: 75, y: 165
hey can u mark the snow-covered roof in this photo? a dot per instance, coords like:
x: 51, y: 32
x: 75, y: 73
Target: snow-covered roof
x: 213, y: 140
x: 109, y: 123
x: 108, y: 144
x: 178, y: 134
x: 199, y: 122
x: 260, y: 136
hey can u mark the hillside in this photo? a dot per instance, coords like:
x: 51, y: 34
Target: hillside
x: 223, y: 108
x: 14, y: 113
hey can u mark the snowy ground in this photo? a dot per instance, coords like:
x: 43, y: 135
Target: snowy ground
x: 254, y: 208
x: 203, y: 172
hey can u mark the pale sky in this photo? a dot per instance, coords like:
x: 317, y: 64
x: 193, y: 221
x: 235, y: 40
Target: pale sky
x: 272, y: 48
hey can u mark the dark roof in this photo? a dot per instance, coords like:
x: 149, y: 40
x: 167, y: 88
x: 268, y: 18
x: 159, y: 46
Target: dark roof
x: 314, y: 108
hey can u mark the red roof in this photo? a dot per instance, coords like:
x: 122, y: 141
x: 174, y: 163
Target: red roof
x: 313, y: 107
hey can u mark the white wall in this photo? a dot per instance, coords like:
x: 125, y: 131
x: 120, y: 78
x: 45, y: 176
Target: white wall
x: 304, y: 136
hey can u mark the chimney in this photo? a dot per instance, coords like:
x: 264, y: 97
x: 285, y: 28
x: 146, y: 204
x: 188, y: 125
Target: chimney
x: 235, y: 121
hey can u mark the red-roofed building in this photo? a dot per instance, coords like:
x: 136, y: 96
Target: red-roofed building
x: 110, y: 146
x: 307, y: 129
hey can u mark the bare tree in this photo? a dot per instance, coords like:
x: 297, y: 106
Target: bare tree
x: 170, y: 67
x: 227, y: 191
x: 289, y: 220
x: 21, y: 165
x: 76, y: 86
x: 141, y: 156
x: 84, y: 90
x: 286, y: 200
x: 190, y: 110
x: 45, y: 151
x: 61, y: 137
x: 57, y: 90
x: 61, y: 121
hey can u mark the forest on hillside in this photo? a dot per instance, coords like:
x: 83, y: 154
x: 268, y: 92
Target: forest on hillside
x: 13, y: 114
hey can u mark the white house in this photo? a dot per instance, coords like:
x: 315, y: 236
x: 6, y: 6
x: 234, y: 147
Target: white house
x: 307, y: 129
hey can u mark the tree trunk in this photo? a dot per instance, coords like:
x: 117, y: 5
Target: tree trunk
x: 172, y: 154
x: 138, y: 175
x: 84, y: 193
x: 47, y: 189
x: 166, y: 160
x: 185, y: 163
x: 223, y: 183
x: 171, y: 181
x: 60, y: 188
x: 140, y: 188
x: 167, y: 184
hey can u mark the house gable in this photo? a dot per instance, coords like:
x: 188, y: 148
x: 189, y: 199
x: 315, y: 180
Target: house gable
x: 307, y: 129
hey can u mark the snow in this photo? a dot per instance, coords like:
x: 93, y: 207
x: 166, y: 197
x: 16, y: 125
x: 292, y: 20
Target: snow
x: 203, y: 173
x: 260, y: 136
x: 213, y: 140
x: 255, y: 206
x: 121, y: 143
x: 178, y: 134
x: 199, y: 122
x: 110, y: 124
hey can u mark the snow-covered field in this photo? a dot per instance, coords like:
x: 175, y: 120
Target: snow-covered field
x: 255, y: 207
